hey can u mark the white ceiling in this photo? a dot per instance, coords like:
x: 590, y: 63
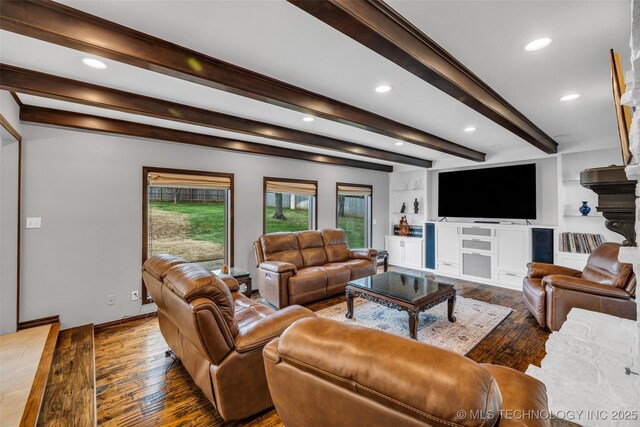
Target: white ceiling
x: 277, y: 39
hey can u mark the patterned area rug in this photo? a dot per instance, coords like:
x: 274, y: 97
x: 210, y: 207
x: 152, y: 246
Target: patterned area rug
x: 475, y: 319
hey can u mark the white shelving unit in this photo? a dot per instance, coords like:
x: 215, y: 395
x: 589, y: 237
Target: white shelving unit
x: 570, y: 197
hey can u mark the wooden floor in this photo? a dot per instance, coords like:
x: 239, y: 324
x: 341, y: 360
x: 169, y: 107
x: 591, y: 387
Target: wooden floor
x: 69, y: 399
x: 134, y: 387
x: 21, y: 354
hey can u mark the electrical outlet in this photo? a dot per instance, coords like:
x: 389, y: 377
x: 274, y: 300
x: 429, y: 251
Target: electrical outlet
x: 374, y: 221
x: 111, y: 299
x: 135, y: 295
x: 34, y: 223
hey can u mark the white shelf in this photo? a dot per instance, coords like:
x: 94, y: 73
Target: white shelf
x: 406, y: 191
x: 573, y: 254
x: 406, y: 213
x: 595, y: 215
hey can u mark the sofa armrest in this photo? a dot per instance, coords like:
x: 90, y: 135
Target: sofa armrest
x: 259, y: 333
x: 537, y: 270
x: 362, y: 253
x: 231, y: 283
x: 581, y: 285
x: 277, y: 266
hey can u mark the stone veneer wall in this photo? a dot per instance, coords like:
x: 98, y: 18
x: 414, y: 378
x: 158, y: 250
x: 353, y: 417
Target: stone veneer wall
x: 632, y: 98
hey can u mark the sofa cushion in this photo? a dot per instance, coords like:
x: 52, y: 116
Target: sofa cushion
x: 360, y: 268
x: 306, y: 280
x: 311, y: 248
x: 281, y: 247
x: 338, y: 274
x: 335, y: 244
x: 158, y: 265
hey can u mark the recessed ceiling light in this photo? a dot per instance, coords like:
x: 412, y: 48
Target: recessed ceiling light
x: 570, y: 97
x: 94, y: 63
x: 383, y: 89
x: 399, y: 143
x: 469, y: 129
x: 308, y: 119
x: 538, y: 44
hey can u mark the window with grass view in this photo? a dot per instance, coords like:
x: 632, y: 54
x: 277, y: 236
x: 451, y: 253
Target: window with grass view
x: 289, y: 205
x: 188, y: 215
x: 354, y: 213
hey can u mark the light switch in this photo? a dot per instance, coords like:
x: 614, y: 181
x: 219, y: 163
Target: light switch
x: 34, y: 222
x: 374, y: 222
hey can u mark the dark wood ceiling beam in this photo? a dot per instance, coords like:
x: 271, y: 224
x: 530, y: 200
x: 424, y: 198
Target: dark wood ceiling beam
x: 380, y: 28
x: 54, y: 87
x: 65, y: 26
x: 49, y: 116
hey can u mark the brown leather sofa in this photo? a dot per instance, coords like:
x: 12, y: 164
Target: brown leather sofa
x: 217, y: 333
x: 605, y: 285
x: 297, y: 268
x: 326, y: 373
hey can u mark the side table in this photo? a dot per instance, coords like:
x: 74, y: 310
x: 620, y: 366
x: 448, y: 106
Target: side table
x: 243, y: 277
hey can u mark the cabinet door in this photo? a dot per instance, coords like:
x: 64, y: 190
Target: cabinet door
x: 447, y: 243
x: 395, y: 248
x: 413, y: 253
x: 513, y: 249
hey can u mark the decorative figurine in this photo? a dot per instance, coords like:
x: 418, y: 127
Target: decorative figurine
x: 415, y: 206
x: 224, y: 269
x: 584, y: 209
x: 404, y: 226
x: 403, y: 208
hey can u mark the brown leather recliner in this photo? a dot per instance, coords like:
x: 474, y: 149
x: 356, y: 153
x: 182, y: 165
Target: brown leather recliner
x: 605, y: 285
x: 327, y: 373
x: 217, y: 333
x: 297, y: 268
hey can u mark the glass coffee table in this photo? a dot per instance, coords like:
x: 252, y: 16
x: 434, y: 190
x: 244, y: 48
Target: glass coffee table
x: 405, y: 292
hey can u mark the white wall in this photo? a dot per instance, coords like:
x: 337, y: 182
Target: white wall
x: 8, y: 215
x: 87, y: 188
x: 546, y: 189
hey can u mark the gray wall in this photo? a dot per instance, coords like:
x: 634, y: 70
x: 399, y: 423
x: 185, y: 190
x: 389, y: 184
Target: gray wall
x: 546, y: 193
x: 87, y: 189
x: 8, y: 216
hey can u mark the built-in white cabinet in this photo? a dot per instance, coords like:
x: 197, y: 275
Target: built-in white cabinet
x: 487, y: 253
x: 405, y: 251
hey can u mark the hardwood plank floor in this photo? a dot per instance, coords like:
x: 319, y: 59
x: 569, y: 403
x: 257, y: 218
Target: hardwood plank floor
x: 69, y: 398
x: 134, y: 386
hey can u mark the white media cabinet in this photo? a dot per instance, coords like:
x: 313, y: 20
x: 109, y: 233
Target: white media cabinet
x: 495, y: 254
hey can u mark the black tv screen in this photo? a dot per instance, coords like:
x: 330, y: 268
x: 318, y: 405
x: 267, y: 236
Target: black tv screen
x: 507, y: 192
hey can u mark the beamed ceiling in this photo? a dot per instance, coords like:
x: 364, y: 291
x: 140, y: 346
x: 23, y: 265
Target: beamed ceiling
x: 241, y: 75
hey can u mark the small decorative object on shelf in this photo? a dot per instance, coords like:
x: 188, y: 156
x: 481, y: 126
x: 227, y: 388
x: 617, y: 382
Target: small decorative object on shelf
x: 224, y: 269
x: 584, y: 209
x: 403, y: 208
x: 416, y: 206
x: 404, y: 227
x: 415, y: 185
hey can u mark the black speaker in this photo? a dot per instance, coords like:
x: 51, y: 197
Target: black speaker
x: 542, y: 245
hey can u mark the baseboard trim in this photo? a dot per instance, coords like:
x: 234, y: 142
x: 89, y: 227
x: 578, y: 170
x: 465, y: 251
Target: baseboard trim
x: 39, y: 322
x: 123, y: 321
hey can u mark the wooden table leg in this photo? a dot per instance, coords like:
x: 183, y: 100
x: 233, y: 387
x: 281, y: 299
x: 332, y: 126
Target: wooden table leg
x: 249, y: 285
x: 349, y: 314
x: 414, y: 319
x: 451, y: 305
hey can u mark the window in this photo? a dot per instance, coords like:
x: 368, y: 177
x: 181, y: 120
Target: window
x: 289, y: 205
x: 353, y: 213
x: 188, y: 214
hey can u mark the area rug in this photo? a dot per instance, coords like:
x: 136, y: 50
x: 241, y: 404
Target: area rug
x: 475, y: 320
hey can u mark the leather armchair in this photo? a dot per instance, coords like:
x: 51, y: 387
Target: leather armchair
x: 327, y: 373
x: 216, y: 332
x: 605, y: 285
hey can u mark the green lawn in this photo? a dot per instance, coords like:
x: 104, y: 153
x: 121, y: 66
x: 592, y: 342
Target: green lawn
x: 206, y: 220
x: 297, y: 220
x: 354, y: 227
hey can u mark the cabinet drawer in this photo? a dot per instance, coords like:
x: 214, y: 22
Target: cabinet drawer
x: 476, y: 231
x: 513, y: 280
x: 477, y: 244
x: 448, y: 268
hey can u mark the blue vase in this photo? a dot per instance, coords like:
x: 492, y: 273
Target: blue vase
x: 584, y: 209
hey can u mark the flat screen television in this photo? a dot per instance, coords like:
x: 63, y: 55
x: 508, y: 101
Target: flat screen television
x: 507, y: 192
